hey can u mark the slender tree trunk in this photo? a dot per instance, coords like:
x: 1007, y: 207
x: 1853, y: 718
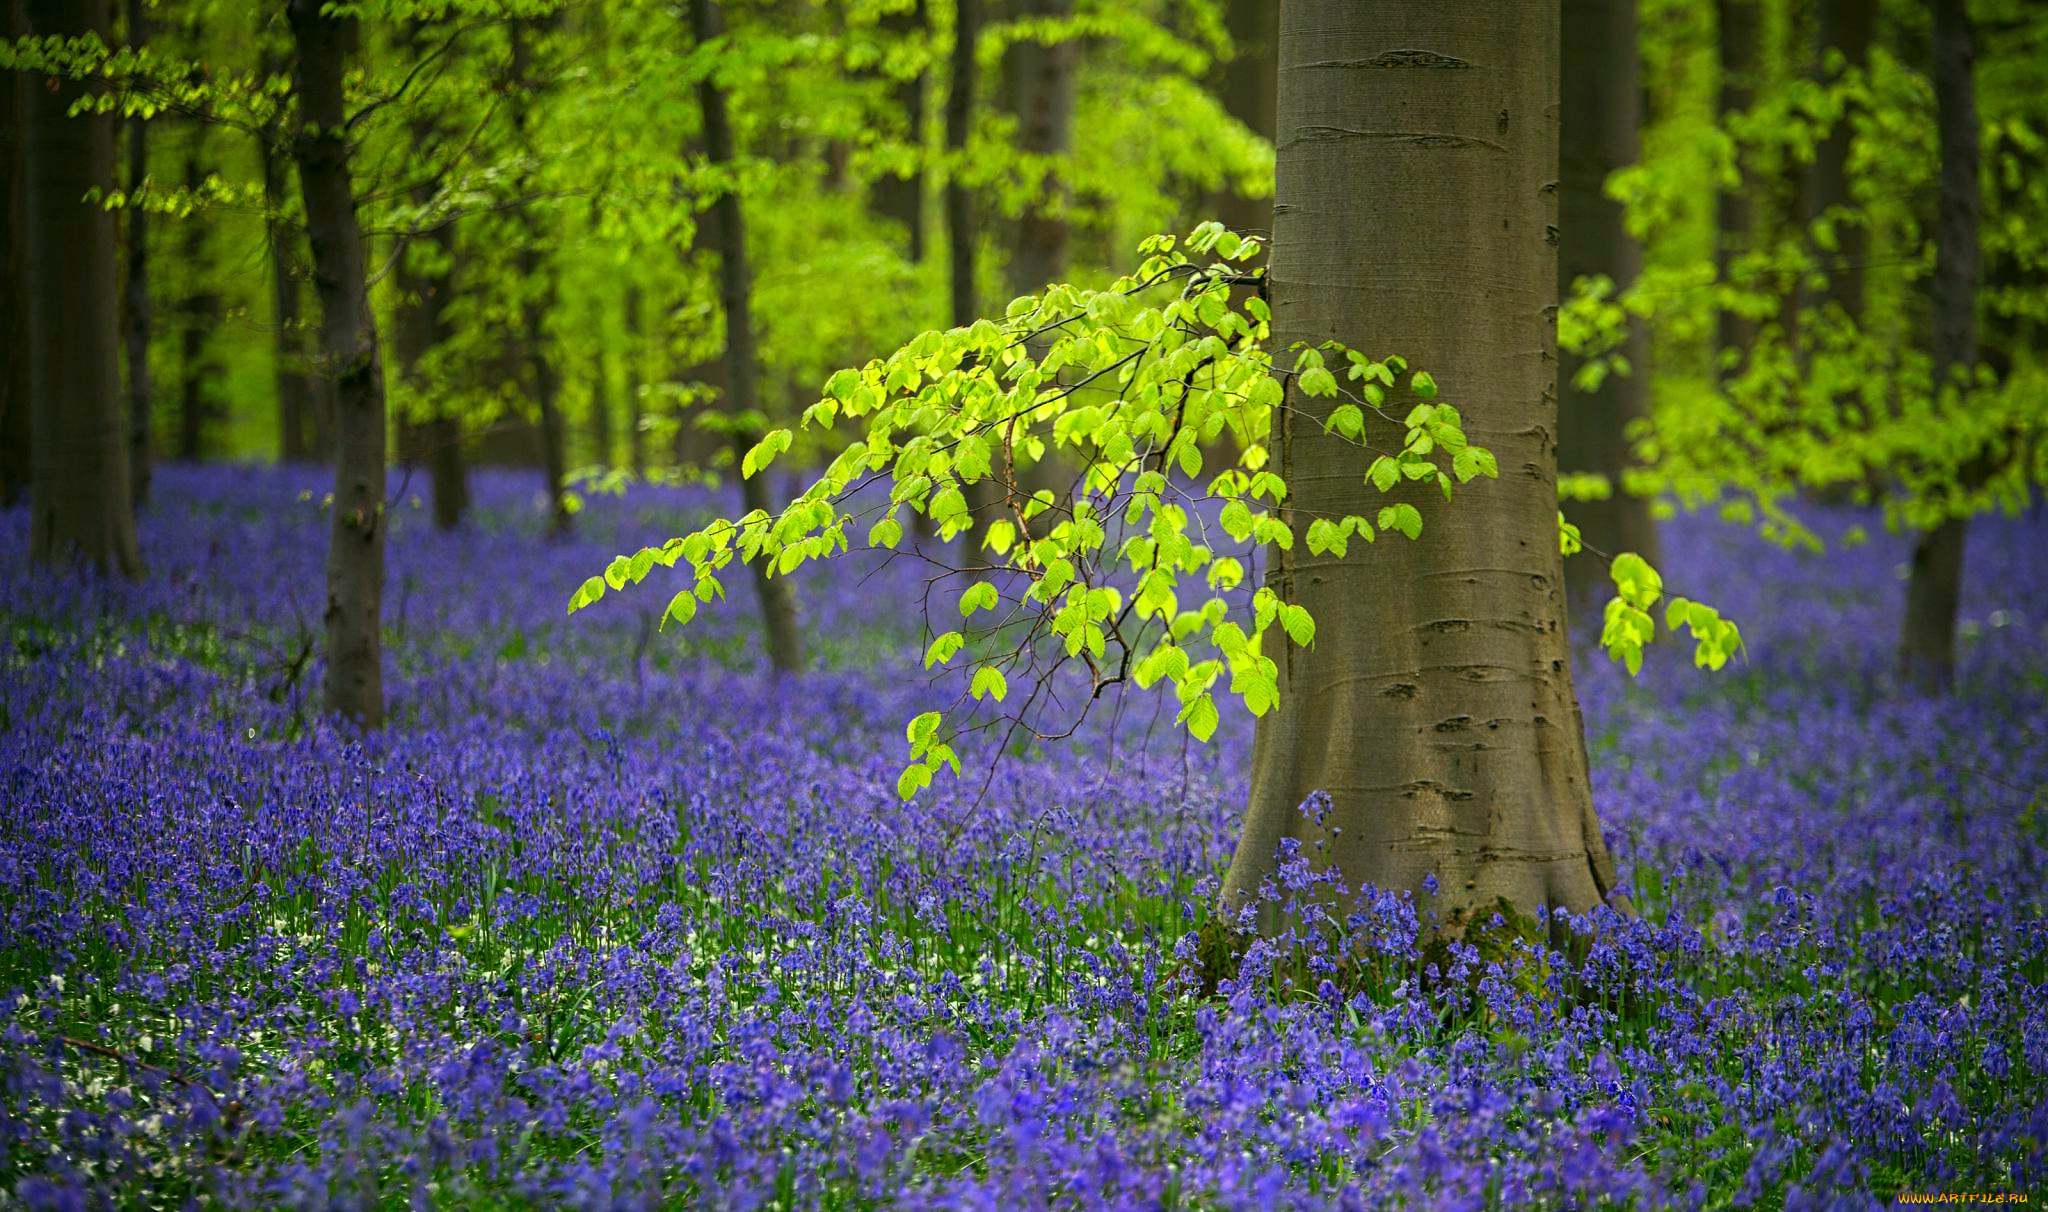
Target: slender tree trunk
x: 900, y: 198
x: 601, y: 407
x: 1849, y: 26
x: 984, y: 497
x: 14, y: 387
x: 423, y: 328
x: 1927, y: 647
x: 1042, y: 78
x: 198, y: 371
x: 536, y: 286
x: 961, y: 236
x: 636, y: 434
x: 1436, y: 708
x: 78, y: 499
x: 735, y: 289
x: 1250, y: 89
x: 1602, y: 112
x: 1741, y: 25
x: 137, y: 313
x: 294, y: 402
x: 302, y: 409
x: 348, y: 349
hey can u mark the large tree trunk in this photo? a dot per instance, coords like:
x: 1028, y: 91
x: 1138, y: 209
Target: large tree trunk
x: 137, y: 312
x: 1927, y: 646
x: 200, y: 316
x: 1042, y: 81
x: 1436, y: 708
x: 1250, y: 89
x: 348, y: 352
x: 1602, y: 108
x: 14, y: 397
x: 78, y: 499
x: 1741, y: 25
x: 735, y: 289
x: 901, y: 198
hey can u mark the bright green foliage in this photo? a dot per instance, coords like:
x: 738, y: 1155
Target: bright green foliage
x: 1628, y: 625
x: 1161, y: 392
x: 1823, y: 399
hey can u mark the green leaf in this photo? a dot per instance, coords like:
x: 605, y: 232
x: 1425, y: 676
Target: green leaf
x: 990, y: 680
x: 1318, y: 381
x: 920, y: 730
x: 1201, y: 716
x: 764, y: 452
x: 1236, y: 520
x: 586, y: 593
x: 914, y: 777
x: 1299, y: 623
x: 943, y: 648
x: 682, y: 608
x: 979, y: 596
x: 1403, y: 517
x: 1423, y: 385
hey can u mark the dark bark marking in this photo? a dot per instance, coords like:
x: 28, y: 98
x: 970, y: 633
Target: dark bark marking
x: 1398, y: 58
x: 1426, y: 139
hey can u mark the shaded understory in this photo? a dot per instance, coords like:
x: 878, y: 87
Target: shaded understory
x: 606, y: 918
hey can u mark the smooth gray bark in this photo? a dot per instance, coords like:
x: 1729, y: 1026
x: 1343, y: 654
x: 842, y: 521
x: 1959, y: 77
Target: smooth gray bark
x: 1927, y: 644
x: 354, y: 686
x: 735, y: 290
x: 1436, y: 708
x: 79, y: 507
x: 1602, y: 113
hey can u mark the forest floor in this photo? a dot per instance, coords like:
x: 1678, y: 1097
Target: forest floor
x: 605, y: 918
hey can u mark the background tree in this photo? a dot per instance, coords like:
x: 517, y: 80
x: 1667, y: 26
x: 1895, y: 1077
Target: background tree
x: 354, y: 685
x: 137, y: 312
x: 1927, y: 642
x: 735, y: 286
x: 1596, y: 409
x: 79, y: 502
x: 14, y: 386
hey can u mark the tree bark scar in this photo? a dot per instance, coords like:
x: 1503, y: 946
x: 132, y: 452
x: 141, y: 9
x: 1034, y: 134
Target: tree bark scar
x: 1428, y: 139
x: 1398, y: 58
